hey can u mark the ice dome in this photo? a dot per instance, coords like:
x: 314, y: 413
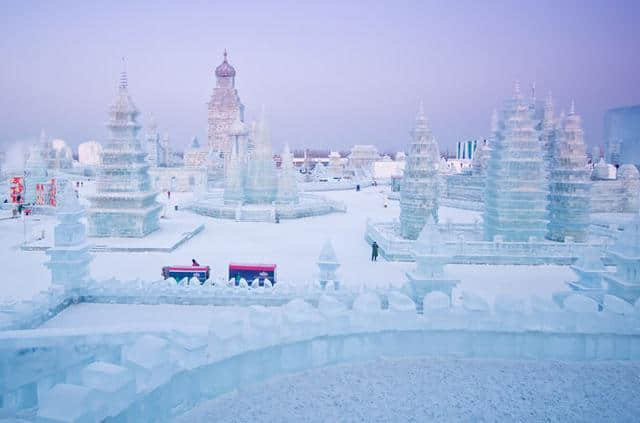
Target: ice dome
x: 628, y: 171
x: 225, y: 70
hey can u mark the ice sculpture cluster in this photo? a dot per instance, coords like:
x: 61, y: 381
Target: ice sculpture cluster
x: 419, y: 193
x: 124, y: 204
x: 516, y: 195
x: 69, y: 257
x: 570, y: 184
x: 625, y: 283
x: 251, y: 175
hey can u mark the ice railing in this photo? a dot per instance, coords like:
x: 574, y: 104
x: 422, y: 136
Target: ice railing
x: 473, y: 251
x: 125, y: 370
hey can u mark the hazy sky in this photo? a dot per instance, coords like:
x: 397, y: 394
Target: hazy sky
x: 330, y: 73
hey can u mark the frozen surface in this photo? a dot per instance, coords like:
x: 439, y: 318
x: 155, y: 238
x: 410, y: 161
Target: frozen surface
x: 438, y: 390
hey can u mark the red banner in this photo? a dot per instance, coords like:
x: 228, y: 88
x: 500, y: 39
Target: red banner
x: 17, y: 189
x: 52, y: 193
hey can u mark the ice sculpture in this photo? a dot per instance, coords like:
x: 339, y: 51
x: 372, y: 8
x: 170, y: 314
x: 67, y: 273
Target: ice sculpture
x: 287, y: 183
x: 69, y: 257
x: 124, y: 204
x: 35, y: 173
x: 590, y: 271
x: 516, y: 194
x: 328, y: 264
x: 625, y: 283
x: 261, y: 181
x: 234, y: 178
x: 570, y: 184
x: 419, y: 194
x: 431, y: 257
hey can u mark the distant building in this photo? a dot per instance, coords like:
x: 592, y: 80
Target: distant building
x: 363, y: 156
x: 89, y: 153
x: 466, y: 149
x: 622, y: 135
x: 195, y: 156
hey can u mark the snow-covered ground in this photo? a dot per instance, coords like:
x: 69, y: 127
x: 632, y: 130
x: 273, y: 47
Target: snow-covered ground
x: 293, y: 245
x: 446, y: 390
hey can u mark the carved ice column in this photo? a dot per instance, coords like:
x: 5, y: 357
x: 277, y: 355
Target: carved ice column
x: 328, y: 265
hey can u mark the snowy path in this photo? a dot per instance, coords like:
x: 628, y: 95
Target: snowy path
x: 416, y: 390
x: 293, y: 245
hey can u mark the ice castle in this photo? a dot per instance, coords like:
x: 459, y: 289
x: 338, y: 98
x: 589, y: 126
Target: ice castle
x: 570, y: 184
x: 419, y: 194
x: 516, y: 194
x: 124, y: 204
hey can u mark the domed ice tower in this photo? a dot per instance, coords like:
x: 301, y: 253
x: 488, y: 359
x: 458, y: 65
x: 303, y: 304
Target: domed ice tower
x: 224, y: 107
x: 124, y: 204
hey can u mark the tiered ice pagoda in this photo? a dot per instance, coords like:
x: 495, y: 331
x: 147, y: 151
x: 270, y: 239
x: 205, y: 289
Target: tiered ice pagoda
x: 625, y: 283
x: 570, y: 184
x: 516, y: 194
x: 69, y: 257
x: 224, y: 106
x: 419, y: 194
x: 124, y: 204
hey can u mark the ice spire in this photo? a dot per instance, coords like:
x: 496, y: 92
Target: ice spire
x: 516, y: 90
x: 572, y: 111
x: 124, y: 81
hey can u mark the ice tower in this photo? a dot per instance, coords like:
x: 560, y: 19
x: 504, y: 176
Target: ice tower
x: 570, y: 184
x: 234, y: 178
x: 287, y: 183
x: 516, y: 194
x: 35, y: 172
x: 419, y: 195
x: 69, y: 258
x: 123, y: 205
x: 224, y: 106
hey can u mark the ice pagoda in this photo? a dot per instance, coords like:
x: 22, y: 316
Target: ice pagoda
x: 516, y: 193
x: 570, y: 184
x: 419, y: 193
x: 36, y: 174
x: 124, y: 204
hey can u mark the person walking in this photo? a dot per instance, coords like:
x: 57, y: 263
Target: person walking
x: 374, y: 251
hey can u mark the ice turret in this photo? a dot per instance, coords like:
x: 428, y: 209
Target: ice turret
x: 419, y: 195
x: 69, y: 258
x: 431, y: 256
x: 570, y: 185
x: 328, y: 264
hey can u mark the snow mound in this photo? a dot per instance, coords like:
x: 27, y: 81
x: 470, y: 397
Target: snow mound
x: 367, y: 302
x: 400, y: 302
x: 508, y: 304
x: 473, y: 302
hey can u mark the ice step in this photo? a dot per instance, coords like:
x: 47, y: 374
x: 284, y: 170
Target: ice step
x: 70, y: 403
x: 115, y: 384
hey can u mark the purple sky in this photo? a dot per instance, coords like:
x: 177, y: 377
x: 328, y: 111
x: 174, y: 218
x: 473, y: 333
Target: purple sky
x: 331, y: 74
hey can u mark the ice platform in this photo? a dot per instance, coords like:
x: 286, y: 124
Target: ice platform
x: 173, y: 232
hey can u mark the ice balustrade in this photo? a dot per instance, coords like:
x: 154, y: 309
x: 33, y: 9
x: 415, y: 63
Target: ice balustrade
x: 471, y: 251
x: 127, y: 372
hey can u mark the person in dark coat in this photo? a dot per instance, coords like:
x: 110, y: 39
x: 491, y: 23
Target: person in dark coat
x: 194, y: 262
x: 374, y: 251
